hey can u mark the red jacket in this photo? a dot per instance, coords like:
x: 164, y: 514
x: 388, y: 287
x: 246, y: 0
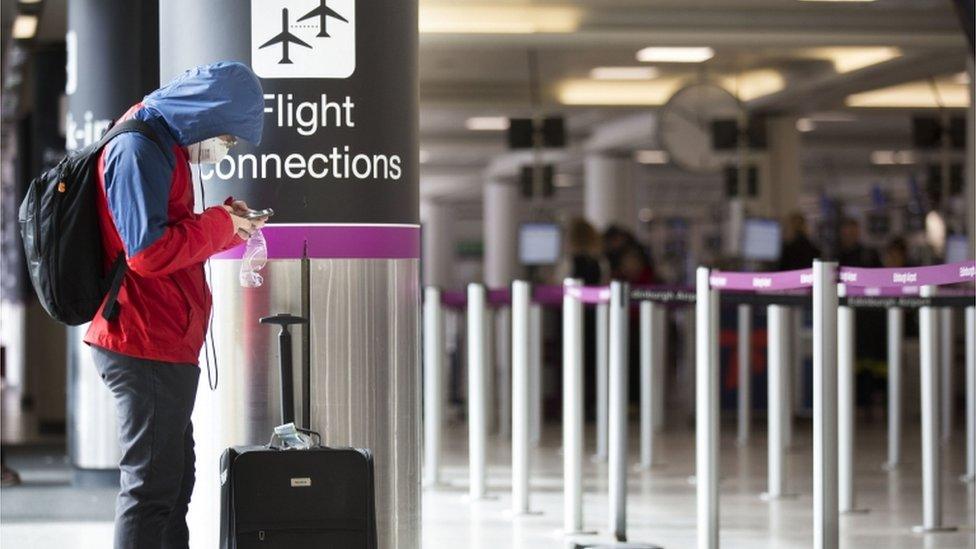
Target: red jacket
x: 145, y: 208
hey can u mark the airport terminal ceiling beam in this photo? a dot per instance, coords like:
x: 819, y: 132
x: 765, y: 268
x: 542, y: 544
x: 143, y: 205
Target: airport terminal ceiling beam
x: 829, y: 91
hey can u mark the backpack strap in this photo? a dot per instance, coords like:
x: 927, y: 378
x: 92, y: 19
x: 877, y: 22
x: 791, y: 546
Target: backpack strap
x: 111, y: 309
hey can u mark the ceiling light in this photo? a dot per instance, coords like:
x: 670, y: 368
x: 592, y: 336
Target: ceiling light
x: 646, y: 215
x: 752, y: 84
x: 25, y: 26
x: 487, y: 123
x: 913, y: 95
x: 862, y: 1
x: 891, y: 158
x: 30, y: 1
x: 624, y: 73
x: 495, y: 19
x: 651, y: 157
x: 585, y: 91
x: 657, y: 54
x: 847, y: 59
x: 805, y: 125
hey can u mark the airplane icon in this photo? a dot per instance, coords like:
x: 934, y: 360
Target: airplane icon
x: 284, y: 38
x: 323, y: 12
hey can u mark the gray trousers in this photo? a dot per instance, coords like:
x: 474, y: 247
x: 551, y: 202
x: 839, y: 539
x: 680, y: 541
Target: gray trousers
x: 153, y: 401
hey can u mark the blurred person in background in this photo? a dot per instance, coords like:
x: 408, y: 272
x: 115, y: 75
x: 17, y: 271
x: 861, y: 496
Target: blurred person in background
x: 851, y: 251
x: 615, y: 241
x: 798, y: 250
x: 635, y: 265
x: 582, y: 257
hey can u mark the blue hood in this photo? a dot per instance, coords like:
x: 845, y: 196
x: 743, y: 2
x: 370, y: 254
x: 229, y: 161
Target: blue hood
x: 211, y: 100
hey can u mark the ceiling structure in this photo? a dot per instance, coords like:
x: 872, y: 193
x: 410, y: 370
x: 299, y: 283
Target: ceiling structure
x: 815, y: 60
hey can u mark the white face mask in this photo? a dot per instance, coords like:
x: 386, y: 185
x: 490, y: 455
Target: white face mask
x: 209, y: 151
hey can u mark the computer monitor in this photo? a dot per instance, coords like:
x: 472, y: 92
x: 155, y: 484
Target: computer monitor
x: 539, y: 243
x: 957, y: 248
x: 761, y: 240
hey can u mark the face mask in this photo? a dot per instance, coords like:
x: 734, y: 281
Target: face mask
x: 209, y: 151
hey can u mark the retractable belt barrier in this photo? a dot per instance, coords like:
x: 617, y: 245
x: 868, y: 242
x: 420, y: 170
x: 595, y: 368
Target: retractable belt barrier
x: 831, y: 291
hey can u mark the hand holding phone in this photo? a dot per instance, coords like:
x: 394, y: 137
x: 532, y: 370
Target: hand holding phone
x: 258, y: 214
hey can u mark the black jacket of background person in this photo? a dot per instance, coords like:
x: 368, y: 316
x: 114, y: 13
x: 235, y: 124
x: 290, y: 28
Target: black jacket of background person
x: 798, y: 253
x: 870, y: 338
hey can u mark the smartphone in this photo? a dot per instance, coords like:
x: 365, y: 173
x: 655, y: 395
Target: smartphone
x: 258, y: 214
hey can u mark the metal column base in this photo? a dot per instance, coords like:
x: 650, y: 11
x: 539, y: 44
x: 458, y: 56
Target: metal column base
x: 934, y: 530
x: 613, y: 545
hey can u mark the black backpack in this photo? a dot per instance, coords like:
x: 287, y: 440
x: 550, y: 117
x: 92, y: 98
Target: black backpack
x: 62, y: 238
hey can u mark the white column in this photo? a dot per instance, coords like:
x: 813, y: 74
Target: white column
x: 744, y: 348
x: 439, y: 242
x: 946, y: 356
x: 572, y: 412
x: 501, y: 223
x: 521, y: 356
x: 477, y: 422
x: 778, y: 323
x: 602, y: 327
x: 970, y: 179
x: 970, y: 395
x: 433, y: 388
x: 825, y: 519
x: 780, y: 192
x: 535, y: 374
x: 928, y: 343
x: 896, y: 332
x: 608, y: 192
x: 707, y: 411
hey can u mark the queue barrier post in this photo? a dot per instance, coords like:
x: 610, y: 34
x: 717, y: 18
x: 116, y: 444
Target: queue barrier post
x: 778, y: 333
x: 970, y: 395
x: 846, y: 406
x: 707, y: 412
x: 477, y: 425
x: 928, y: 342
x: 503, y: 346
x: 433, y: 386
x: 650, y: 342
x: 521, y: 357
x: 617, y: 433
x: 535, y: 374
x: 825, y: 517
x: 744, y: 349
x: 572, y: 411
x: 946, y: 356
x: 602, y: 328
x: 896, y: 330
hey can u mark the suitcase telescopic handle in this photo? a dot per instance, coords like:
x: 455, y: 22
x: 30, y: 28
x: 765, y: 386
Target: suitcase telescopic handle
x: 285, y: 320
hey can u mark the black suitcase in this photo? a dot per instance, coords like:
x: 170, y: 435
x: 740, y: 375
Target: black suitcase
x: 274, y: 498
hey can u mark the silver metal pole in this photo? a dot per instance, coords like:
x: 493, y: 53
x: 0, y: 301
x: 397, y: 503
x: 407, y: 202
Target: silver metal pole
x: 477, y: 425
x: 970, y: 395
x: 572, y: 411
x: 928, y: 341
x: 491, y: 408
x: 617, y: 455
x: 778, y: 334
x: 846, y: 407
x: 521, y: 357
x: 825, y: 519
x: 745, y: 373
x: 707, y: 413
x: 433, y: 388
x: 794, y: 379
x: 646, y: 384
x: 503, y: 346
x: 659, y: 329
x: 602, y: 327
x: 896, y: 332
x: 535, y: 374
x: 946, y: 357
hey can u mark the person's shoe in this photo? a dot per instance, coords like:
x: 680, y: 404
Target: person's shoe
x: 9, y: 477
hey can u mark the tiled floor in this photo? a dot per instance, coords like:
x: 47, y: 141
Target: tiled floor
x: 46, y: 513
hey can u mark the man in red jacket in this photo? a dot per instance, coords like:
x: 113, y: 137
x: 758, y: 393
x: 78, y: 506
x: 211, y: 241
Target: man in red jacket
x: 148, y: 354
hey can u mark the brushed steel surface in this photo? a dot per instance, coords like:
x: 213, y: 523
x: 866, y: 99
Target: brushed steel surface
x: 365, y: 378
x: 93, y: 440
